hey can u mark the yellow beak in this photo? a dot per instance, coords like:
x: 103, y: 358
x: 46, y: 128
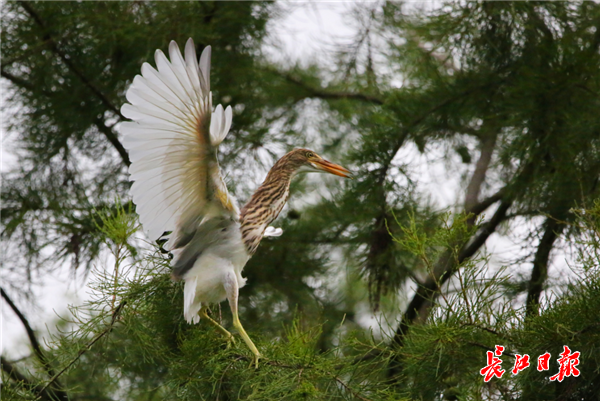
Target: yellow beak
x: 332, y: 168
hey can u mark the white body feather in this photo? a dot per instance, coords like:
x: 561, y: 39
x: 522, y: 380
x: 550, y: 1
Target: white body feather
x: 204, y: 281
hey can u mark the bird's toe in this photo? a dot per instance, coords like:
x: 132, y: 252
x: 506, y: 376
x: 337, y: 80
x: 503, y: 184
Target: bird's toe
x: 254, y: 361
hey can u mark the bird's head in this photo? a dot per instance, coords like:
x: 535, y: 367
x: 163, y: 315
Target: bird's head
x: 307, y: 161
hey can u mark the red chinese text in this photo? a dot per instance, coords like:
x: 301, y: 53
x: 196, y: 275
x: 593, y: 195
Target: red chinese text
x: 567, y: 362
x: 493, y: 365
x: 544, y: 362
x: 521, y: 362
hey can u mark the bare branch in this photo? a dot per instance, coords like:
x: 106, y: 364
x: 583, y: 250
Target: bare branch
x: 445, y: 267
x: 380, y: 237
x: 539, y: 273
x: 18, y: 81
x: 480, y: 207
x: 488, y: 143
x: 37, y: 349
x: 487, y: 229
x: 30, y: 333
x: 112, y: 138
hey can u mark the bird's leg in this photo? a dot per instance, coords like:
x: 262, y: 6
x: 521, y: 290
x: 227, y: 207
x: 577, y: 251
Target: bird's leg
x: 204, y: 315
x: 232, y: 289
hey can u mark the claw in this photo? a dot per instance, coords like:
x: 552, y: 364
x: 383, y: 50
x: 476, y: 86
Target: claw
x: 230, y: 340
x: 255, y: 361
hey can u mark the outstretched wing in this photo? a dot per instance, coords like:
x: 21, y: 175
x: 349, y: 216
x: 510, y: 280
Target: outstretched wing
x: 172, y: 144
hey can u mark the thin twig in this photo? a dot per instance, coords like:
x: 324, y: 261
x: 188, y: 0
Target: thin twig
x: 485, y: 347
x: 30, y: 333
x: 301, y: 368
x: 482, y: 328
x: 354, y: 393
x: 326, y: 94
x: 14, y: 374
x: 223, y: 375
x: 89, y: 345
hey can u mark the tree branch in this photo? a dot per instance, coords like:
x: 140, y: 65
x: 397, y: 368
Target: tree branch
x: 301, y: 368
x: 98, y: 122
x: 381, y: 239
x: 47, y: 37
x: 15, y: 375
x: 61, y: 394
x: 89, y: 345
x: 487, y: 229
x: 539, y: 273
x: 17, y: 81
x: 30, y: 333
x: 488, y: 143
x: 481, y: 206
x: 444, y: 269
x: 328, y: 95
x: 112, y: 138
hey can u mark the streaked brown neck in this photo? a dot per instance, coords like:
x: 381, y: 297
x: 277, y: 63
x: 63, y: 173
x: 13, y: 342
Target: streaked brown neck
x: 266, y: 203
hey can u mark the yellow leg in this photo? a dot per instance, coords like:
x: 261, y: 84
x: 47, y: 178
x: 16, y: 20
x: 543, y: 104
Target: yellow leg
x: 225, y: 333
x: 231, y: 287
x: 238, y: 325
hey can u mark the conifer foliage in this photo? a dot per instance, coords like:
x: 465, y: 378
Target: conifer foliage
x: 502, y: 97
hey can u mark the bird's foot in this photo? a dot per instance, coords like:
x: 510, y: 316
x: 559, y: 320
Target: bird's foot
x: 254, y: 361
x: 230, y: 340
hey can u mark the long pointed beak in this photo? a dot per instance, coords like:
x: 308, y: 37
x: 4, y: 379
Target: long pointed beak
x: 332, y: 168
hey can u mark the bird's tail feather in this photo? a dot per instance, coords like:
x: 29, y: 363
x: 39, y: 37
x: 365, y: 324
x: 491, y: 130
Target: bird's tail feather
x: 190, y: 307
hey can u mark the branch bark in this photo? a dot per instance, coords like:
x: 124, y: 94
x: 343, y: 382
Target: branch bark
x: 488, y: 143
x: 18, y: 81
x: 113, y: 139
x: 539, y: 273
x: 381, y: 239
x: 37, y: 349
x: 447, y: 265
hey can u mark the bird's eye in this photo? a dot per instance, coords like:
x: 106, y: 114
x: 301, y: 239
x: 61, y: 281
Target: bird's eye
x: 310, y: 154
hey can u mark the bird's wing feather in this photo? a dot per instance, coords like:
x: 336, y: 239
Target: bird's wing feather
x: 172, y: 144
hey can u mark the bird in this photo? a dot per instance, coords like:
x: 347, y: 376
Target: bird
x: 178, y: 188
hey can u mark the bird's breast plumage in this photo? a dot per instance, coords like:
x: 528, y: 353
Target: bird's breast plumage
x: 263, y: 208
